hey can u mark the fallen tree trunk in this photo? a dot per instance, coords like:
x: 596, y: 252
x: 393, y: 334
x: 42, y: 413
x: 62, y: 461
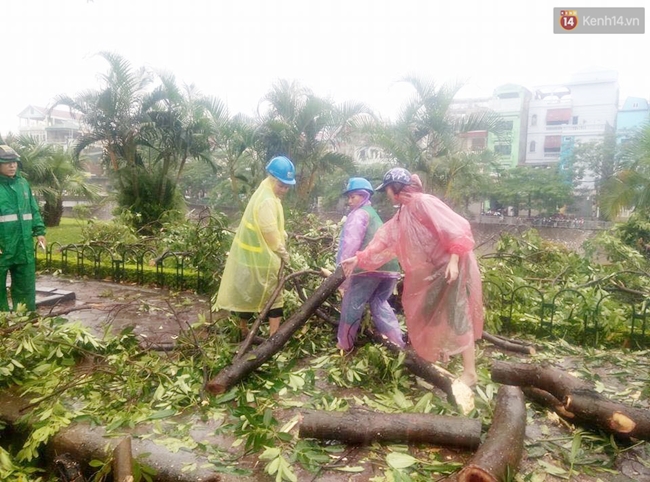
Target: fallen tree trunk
x: 256, y: 357
x: 613, y: 417
x: 557, y: 382
x: 81, y: 443
x: 509, y: 345
x: 580, y: 403
x: 363, y: 427
x: 499, y: 456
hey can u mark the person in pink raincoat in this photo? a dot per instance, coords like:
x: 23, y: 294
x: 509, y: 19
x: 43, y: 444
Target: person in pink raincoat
x: 442, y: 294
x: 363, y: 288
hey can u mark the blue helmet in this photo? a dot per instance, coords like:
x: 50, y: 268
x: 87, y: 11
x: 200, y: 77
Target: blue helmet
x: 397, y: 175
x: 282, y: 168
x: 358, y: 183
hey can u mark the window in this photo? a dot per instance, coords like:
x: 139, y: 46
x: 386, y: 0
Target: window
x: 532, y: 146
x: 533, y: 120
x: 507, y: 125
x: 502, y: 149
x: 552, y: 143
x: 575, y: 120
x: 478, y: 143
x: 555, y: 117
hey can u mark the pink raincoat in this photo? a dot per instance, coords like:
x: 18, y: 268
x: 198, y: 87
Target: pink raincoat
x: 442, y: 319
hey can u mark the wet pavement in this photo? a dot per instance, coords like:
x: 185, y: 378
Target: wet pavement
x: 157, y: 315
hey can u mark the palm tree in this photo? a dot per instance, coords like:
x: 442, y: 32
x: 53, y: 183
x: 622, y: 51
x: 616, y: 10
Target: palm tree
x: 53, y: 173
x: 629, y: 187
x: 115, y: 117
x: 235, y: 151
x: 425, y: 136
x: 148, y: 133
x: 309, y: 130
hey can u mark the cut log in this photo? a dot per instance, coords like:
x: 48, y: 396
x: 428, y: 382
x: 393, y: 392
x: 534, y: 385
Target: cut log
x: 363, y: 427
x: 122, y: 463
x: 256, y: 357
x: 613, y: 417
x: 557, y: 382
x: 509, y: 345
x: 499, y: 456
x: 581, y: 403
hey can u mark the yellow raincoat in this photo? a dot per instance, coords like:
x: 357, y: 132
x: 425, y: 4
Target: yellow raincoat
x: 251, y: 272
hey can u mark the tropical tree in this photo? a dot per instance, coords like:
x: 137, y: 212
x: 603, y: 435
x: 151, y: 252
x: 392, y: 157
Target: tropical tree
x: 425, y: 137
x: 598, y: 160
x: 236, y: 153
x: 309, y: 130
x: 531, y: 188
x: 148, y: 128
x: 629, y: 186
x: 114, y: 117
x: 53, y: 172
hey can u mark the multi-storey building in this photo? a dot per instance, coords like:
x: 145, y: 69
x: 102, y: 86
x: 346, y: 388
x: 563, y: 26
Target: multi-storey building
x: 634, y: 114
x: 50, y: 127
x: 511, y: 102
x: 580, y: 111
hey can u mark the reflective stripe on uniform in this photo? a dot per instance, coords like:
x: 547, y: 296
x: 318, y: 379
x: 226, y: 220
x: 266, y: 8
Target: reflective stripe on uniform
x: 10, y: 217
x: 248, y: 247
x: 27, y: 217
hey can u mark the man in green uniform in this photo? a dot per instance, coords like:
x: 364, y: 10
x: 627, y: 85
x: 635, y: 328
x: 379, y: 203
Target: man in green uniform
x: 20, y: 220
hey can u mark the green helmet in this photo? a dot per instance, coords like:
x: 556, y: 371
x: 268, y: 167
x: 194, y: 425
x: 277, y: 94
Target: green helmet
x: 7, y: 154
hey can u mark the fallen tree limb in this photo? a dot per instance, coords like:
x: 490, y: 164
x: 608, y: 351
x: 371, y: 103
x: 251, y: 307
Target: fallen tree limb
x: 319, y: 312
x: 547, y: 400
x: 363, y: 427
x: 557, y: 382
x: 499, y: 456
x: 82, y: 442
x: 122, y: 464
x: 243, y: 348
x: 241, y: 367
x: 613, y: 417
x: 509, y: 345
x: 420, y: 367
x: 580, y: 403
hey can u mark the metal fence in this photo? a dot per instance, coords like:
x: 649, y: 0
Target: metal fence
x: 101, y: 261
x: 566, y: 314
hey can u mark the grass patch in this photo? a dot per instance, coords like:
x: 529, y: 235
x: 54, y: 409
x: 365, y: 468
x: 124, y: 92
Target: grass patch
x: 68, y: 232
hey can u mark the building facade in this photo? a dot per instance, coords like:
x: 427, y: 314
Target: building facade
x: 50, y: 127
x: 634, y: 114
x: 581, y: 111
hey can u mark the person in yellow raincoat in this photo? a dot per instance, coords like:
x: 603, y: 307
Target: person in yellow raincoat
x: 252, y: 268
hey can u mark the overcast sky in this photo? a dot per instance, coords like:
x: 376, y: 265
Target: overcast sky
x: 345, y: 49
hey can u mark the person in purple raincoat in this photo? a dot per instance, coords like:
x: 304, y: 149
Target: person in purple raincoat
x: 363, y: 288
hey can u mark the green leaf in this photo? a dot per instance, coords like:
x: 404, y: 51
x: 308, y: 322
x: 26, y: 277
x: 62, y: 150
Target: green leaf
x: 161, y: 414
x: 398, y: 460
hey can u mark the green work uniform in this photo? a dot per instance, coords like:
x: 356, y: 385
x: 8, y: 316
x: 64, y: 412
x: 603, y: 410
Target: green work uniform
x: 20, y: 221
